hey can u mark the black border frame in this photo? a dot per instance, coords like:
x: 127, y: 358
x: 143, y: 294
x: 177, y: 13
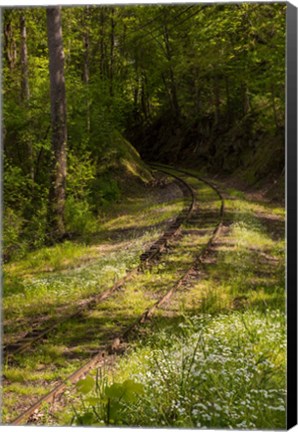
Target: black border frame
x: 291, y: 231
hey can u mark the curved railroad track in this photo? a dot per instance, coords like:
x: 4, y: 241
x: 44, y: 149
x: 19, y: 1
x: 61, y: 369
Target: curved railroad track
x: 103, y: 355
x: 39, y: 333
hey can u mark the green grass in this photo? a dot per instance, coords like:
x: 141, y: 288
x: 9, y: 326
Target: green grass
x: 216, y: 356
x: 216, y: 372
x: 76, y: 340
x: 62, y: 275
x: 49, y: 282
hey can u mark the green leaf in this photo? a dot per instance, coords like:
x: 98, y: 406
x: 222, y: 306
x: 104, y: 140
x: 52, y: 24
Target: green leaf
x: 86, y: 385
x: 115, y: 410
x: 133, y: 387
x: 86, y: 419
x: 114, y: 391
x: 93, y: 401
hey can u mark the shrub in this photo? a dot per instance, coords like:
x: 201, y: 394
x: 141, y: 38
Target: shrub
x: 105, y: 190
x: 109, y: 403
x: 12, y: 227
x: 79, y: 218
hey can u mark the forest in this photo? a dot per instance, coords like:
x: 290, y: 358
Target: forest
x: 143, y: 217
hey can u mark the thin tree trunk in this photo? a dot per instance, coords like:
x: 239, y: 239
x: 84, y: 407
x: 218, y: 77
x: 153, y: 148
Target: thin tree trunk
x: 216, y: 100
x: 59, y: 129
x: 173, y: 87
x: 101, y: 43
x: 86, y: 73
x: 245, y: 98
x: 228, y: 101
x: 167, y: 89
x: 194, y: 90
x: 274, y: 106
x: 86, y: 58
x: 112, y: 46
x: 9, y: 46
x: 136, y: 94
x: 144, y: 96
x: 25, y: 94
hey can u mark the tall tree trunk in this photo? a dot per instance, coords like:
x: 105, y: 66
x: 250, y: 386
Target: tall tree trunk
x: 86, y: 64
x: 194, y: 90
x: 112, y: 46
x: 274, y: 106
x: 10, y: 50
x: 86, y: 57
x: 245, y: 99
x: 229, y: 114
x: 144, y: 95
x: 102, y: 42
x: 173, y: 87
x: 24, y: 60
x: 216, y: 100
x: 59, y: 129
x: 168, y: 91
x: 136, y: 94
x: 25, y: 92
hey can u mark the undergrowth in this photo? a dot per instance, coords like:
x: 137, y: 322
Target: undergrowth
x: 226, y: 371
x: 216, y: 356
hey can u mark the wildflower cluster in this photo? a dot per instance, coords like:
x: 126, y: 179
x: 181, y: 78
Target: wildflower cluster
x: 226, y: 372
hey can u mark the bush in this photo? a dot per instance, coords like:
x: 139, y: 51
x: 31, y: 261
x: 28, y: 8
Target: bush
x: 24, y: 223
x: 110, y: 402
x: 12, y: 227
x: 80, y: 175
x: 105, y: 190
x: 79, y: 218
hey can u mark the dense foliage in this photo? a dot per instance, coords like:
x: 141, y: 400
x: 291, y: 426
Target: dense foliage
x: 203, y: 83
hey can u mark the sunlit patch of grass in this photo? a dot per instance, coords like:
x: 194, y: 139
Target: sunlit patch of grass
x: 23, y: 375
x: 49, y: 259
x: 154, y: 214
x: 26, y: 390
x: 206, y: 297
x: 280, y: 211
x: 251, y: 236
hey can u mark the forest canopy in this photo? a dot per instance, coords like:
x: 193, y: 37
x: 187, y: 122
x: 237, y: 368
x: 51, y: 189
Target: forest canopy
x: 200, y: 84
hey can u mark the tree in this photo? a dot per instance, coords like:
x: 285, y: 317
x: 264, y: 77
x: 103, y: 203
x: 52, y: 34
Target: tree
x: 24, y: 60
x: 185, y: 81
x: 59, y: 127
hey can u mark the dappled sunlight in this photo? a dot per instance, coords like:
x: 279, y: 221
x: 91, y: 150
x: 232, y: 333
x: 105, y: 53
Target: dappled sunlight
x: 154, y: 215
x: 78, y: 338
x: 143, y: 219
x: 239, y: 278
x: 43, y: 283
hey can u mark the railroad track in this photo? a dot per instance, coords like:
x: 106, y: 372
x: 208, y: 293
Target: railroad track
x: 37, y: 334
x: 102, y: 355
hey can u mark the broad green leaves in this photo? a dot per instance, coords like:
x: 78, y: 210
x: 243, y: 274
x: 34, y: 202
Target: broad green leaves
x: 86, y: 385
x: 128, y: 391
x: 109, y: 402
